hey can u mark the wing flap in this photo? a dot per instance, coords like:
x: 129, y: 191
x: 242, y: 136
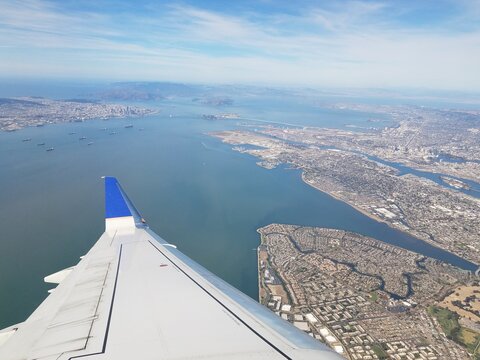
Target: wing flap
x: 71, y: 327
x: 58, y: 277
x: 73, y: 316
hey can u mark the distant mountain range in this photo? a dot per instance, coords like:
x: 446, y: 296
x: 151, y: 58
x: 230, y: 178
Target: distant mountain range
x: 217, y: 95
x: 144, y: 91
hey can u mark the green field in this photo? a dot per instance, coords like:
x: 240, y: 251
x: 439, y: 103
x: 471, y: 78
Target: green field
x: 373, y: 296
x: 471, y: 340
x: 380, y: 351
x: 448, y: 320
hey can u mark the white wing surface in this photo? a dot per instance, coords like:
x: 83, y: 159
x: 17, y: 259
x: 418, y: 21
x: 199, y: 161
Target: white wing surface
x: 135, y: 296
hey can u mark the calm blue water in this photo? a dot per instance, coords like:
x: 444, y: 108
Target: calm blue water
x: 298, y: 111
x: 193, y: 190
x: 435, y: 177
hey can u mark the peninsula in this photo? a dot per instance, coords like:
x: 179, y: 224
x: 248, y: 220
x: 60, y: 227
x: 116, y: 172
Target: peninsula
x: 444, y: 217
x: 21, y: 112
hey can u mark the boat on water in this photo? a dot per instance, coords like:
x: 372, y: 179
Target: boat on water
x: 90, y: 143
x: 27, y: 139
x: 83, y: 138
x: 50, y: 149
x: 128, y: 126
x: 71, y: 133
x: 40, y: 144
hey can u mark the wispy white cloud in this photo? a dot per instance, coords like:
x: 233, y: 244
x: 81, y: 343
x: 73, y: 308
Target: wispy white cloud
x: 355, y: 43
x: 347, y: 15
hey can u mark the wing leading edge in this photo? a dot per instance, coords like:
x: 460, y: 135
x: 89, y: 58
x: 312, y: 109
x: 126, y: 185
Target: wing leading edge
x: 134, y: 295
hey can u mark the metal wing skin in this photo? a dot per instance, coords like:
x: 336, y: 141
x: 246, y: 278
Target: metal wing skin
x: 135, y: 296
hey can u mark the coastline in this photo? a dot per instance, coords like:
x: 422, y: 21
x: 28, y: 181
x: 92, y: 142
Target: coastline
x: 260, y: 287
x: 463, y: 258
x: 29, y: 112
x: 2, y: 130
x: 376, y: 218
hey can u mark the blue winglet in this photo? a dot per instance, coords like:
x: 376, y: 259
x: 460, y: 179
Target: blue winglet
x: 115, y: 203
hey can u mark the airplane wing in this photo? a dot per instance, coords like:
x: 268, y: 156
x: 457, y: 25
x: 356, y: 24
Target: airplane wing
x: 135, y: 296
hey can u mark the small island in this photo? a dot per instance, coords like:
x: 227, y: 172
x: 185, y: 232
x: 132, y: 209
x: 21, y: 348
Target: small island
x: 455, y: 183
x: 225, y: 116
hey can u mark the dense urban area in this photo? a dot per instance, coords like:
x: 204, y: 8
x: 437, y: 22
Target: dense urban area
x: 356, y: 167
x: 363, y: 297
x: 18, y: 113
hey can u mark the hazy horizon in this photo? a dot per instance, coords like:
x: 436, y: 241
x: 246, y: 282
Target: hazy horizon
x: 347, y: 44
x: 72, y: 87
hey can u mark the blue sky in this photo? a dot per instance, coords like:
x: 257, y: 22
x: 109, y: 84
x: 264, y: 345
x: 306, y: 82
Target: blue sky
x: 384, y: 44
